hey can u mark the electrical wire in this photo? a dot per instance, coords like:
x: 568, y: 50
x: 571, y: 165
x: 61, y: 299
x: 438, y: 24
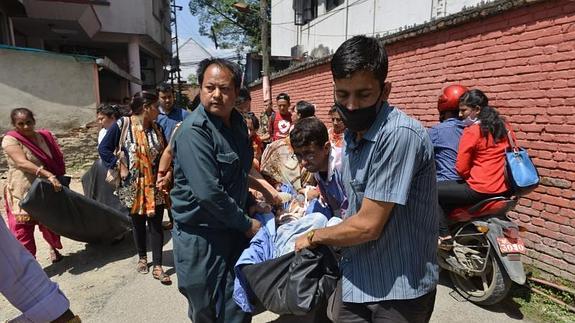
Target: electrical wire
x: 283, y: 23
x: 189, y: 30
x: 279, y: 25
x: 349, y: 35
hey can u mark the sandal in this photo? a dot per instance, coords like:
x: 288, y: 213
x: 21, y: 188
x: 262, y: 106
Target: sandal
x: 142, y: 266
x: 159, y: 274
x: 55, y: 256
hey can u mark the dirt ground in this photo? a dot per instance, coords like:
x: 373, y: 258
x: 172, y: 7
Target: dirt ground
x: 88, y: 274
x: 103, y: 286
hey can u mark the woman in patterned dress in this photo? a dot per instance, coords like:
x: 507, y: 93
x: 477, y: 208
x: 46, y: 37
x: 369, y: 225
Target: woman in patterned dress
x: 142, y: 148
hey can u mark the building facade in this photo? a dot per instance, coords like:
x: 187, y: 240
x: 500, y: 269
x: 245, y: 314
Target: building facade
x: 191, y: 54
x: 130, y: 38
x: 315, y: 28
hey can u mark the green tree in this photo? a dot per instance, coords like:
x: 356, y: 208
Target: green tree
x: 193, y: 78
x: 228, y: 27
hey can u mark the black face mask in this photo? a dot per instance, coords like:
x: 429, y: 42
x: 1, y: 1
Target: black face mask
x: 360, y: 119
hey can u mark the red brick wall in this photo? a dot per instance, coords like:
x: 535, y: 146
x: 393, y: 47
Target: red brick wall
x: 313, y: 85
x: 524, y: 60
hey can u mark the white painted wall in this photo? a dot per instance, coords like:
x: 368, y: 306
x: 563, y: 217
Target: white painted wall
x: 362, y: 17
x: 283, y: 31
x: 328, y: 33
x: 456, y: 6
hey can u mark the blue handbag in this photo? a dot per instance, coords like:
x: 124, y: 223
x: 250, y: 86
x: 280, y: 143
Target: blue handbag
x: 520, y: 172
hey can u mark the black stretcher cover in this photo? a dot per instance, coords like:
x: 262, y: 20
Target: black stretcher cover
x: 294, y: 283
x: 95, y: 187
x: 73, y: 215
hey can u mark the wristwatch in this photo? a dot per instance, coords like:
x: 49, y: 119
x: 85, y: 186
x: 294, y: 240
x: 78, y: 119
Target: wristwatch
x: 309, y: 236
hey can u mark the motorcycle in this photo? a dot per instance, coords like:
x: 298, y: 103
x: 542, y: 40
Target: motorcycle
x: 486, y: 254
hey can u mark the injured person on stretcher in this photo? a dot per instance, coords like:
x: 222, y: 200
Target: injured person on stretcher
x: 270, y: 264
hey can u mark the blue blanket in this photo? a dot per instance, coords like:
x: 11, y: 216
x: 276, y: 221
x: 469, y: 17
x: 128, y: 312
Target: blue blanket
x: 270, y: 243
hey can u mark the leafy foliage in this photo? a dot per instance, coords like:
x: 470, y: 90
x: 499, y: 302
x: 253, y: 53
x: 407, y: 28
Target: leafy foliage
x: 228, y: 27
x: 193, y: 79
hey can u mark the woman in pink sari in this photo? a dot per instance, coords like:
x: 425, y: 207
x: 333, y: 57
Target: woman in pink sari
x: 31, y: 154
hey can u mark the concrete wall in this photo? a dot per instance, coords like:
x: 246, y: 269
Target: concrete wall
x: 329, y: 28
x: 135, y: 17
x: 523, y: 60
x: 61, y: 90
x: 127, y: 16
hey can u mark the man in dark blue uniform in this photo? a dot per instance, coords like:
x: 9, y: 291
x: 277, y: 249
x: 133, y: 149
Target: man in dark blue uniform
x: 213, y: 158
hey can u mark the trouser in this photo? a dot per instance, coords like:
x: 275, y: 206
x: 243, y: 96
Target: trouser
x: 170, y: 215
x: 156, y: 234
x: 416, y: 310
x: 453, y: 194
x: 204, y: 260
x: 24, y: 232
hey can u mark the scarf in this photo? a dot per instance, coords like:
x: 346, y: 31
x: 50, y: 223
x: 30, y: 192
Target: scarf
x: 54, y: 164
x: 279, y: 165
x: 145, y: 182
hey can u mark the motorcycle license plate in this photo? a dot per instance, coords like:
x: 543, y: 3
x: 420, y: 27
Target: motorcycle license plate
x: 506, y: 246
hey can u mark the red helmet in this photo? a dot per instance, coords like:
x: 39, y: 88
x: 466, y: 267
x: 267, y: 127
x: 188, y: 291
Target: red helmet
x: 449, y: 100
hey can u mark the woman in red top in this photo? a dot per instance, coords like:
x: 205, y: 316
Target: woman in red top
x: 480, y: 158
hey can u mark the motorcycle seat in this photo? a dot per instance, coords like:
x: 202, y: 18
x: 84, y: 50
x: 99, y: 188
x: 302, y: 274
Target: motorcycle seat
x: 497, y: 205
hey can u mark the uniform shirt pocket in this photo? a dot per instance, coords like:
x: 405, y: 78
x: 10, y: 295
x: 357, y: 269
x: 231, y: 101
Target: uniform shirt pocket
x: 229, y: 163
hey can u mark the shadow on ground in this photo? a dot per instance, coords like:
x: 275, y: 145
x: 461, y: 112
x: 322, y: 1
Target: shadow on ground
x: 93, y: 256
x: 508, y: 306
x: 98, y: 255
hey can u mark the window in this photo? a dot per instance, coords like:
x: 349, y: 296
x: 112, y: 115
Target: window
x: 330, y: 4
x: 304, y: 11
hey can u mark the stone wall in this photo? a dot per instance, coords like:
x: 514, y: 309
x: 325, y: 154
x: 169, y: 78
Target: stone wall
x: 79, y: 146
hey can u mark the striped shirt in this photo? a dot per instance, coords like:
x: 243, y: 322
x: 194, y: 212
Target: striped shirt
x: 393, y: 162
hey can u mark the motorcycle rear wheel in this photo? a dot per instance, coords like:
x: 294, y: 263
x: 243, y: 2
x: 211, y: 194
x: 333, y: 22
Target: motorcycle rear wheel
x: 489, y: 288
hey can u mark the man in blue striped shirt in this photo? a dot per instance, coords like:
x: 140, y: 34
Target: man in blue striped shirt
x: 389, y: 235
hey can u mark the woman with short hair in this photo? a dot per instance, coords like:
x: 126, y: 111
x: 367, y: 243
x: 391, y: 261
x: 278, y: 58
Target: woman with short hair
x: 106, y: 114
